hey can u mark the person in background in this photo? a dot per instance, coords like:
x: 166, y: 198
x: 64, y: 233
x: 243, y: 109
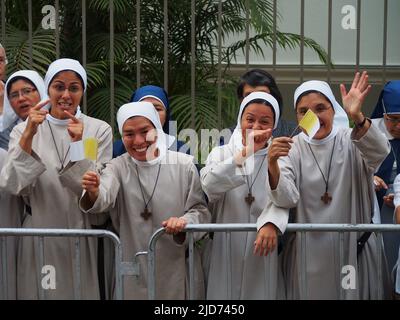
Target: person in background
x: 386, y: 116
x: 24, y: 89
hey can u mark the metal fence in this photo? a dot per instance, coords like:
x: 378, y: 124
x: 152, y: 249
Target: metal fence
x: 64, y: 233
x: 284, y: 73
x: 302, y: 229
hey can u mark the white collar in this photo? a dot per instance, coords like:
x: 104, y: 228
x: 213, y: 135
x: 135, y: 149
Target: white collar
x: 63, y: 122
x: 325, y: 140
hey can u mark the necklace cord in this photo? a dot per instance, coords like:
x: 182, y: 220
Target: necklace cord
x: 329, y: 168
x: 55, y: 144
x: 141, y: 188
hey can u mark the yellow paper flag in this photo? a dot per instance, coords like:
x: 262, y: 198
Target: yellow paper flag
x: 90, y: 146
x: 310, y: 123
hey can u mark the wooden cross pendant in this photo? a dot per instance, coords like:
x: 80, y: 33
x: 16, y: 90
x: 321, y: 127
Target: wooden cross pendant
x: 249, y: 199
x: 146, y: 214
x: 326, y: 198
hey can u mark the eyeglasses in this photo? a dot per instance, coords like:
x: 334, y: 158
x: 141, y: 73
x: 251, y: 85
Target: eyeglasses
x: 74, y: 89
x: 318, y: 110
x: 23, y: 92
x: 392, y: 120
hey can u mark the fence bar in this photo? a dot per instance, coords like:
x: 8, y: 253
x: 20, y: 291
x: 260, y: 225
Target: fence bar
x: 303, y: 275
x: 329, y: 40
x: 41, y: 264
x: 219, y: 64
x: 5, y: 269
x: 384, y: 45
x: 166, y: 49
x: 57, y: 30
x: 77, y: 278
x: 112, y: 88
x: 191, y: 266
x: 193, y: 62
x: 247, y: 35
x: 274, y: 45
x: 380, y: 244
x: 341, y: 262
x: 84, y: 50
x: 229, y: 264
x: 30, y: 32
x: 151, y: 262
x: 41, y: 233
x: 358, y: 34
x: 302, y: 41
x: 3, y: 22
x: 138, y: 48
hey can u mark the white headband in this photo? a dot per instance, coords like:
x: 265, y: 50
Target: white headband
x: 340, y: 119
x: 65, y: 65
x: 147, y: 110
x: 9, y: 115
x: 259, y: 96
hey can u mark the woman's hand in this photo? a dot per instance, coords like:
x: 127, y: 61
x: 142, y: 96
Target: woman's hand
x: 266, y: 241
x: 91, y: 183
x: 174, y: 225
x: 75, y: 127
x: 353, y: 100
x: 379, y: 183
x: 36, y: 117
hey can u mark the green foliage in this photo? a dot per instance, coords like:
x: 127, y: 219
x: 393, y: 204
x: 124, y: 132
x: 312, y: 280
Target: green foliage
x: 233, y: 26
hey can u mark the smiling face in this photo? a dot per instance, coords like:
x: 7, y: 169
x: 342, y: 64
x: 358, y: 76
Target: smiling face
x: 321, y: 107
x: 256, y: 116
x: 65, y: 93
x: 23, y: 96
x: 139, y: 137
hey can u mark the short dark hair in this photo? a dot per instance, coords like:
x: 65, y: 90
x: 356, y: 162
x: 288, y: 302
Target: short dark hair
x: 13, y: 80
x: 258, y: 77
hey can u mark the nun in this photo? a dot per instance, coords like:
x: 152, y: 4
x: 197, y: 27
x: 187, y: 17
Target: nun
x: 158, y: 97
x: 23, y: 90
x: 41, y: 166
x: 328, y: 179
x: 234, y: 180
x: 147, y: 188
x: 386, y: 116
x: 11, y: 216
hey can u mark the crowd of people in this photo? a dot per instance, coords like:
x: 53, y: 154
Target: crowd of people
x: 263, y: 175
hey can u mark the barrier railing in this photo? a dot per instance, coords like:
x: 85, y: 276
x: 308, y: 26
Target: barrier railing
x: 295, y: 227
x: 70, y: 233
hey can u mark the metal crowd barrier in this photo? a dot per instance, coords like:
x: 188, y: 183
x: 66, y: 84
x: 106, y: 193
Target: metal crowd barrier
x: 73, y: 233
x: 292, y: 227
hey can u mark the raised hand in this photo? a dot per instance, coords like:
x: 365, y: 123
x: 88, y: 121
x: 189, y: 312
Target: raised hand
x: 75, y: 127
x: 91, y: 183
x: 35, y: 118
x: 353, y: 100
x: 256, y: 140
x: 279, y: 148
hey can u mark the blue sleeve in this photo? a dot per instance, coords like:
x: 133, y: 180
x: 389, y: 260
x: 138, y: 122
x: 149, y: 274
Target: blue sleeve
x: 118, y: 148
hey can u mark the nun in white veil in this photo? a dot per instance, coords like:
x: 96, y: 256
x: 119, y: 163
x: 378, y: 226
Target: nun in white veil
x: 328, y: 179
x: 45, y: 165
x: 234, y: 181
x: 144, y: 189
